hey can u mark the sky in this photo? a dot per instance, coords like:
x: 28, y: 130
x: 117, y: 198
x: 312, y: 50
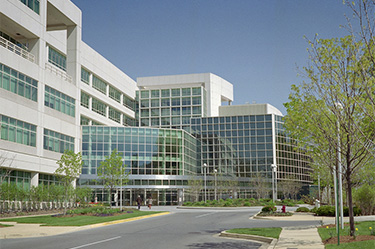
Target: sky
x: 257, y: 45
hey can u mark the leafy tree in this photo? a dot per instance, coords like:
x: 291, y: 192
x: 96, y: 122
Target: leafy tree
x: 324, y: 114
x: 70, y: 167
x: 112, y: 172
x: 83, y: 195
x: 365, y: 198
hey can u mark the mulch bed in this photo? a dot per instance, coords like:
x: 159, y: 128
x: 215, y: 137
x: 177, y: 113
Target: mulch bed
x: 348, y: 239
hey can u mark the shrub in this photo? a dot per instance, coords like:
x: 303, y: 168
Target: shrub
x: 326, y: 211
x: 313, y: 210
x: 188, y: 203
x: 268, y: 209
x: 247, y: 204
x: 303, y: 209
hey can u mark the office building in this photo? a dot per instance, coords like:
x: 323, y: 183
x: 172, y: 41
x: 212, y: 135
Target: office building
x: 58, y: 94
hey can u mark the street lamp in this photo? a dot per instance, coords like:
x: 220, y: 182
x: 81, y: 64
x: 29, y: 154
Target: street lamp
x: 205, y: 186
x: 274, y: 186
x: 215, y: 172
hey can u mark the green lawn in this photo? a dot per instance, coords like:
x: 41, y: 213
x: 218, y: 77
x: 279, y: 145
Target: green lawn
x: 363, y: 229
x: 273, y: 232
x: 81, y: 220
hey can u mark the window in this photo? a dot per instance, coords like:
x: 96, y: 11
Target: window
x: 126, y: 120
x: 99, y: 85
x: 155, y: 112
x: 186, y: 101
x: 165, y: 102
x: 176, y: 92
x: 85, y: 76
x: 186, y: 91
x: 175, y: 101
x: 85, y: 121
x: 155, y: 94
x: 196, y: 91
x: 128, y: 102
x: 18, y: 83
x: 57, y: 142
x: 32, y: 4
x: 165, y: 93
x: 14, y: 130
x: 57, y: 58
x: 99, y: 107
x: 59, y: 101
x: 155, y: 103
x: 85, y: 98
x: 145, y: 103
x: 114, y: 115
x: 196, y: 100
x: 145, y: 94
x: 114, y: 94
x: 165, y: 112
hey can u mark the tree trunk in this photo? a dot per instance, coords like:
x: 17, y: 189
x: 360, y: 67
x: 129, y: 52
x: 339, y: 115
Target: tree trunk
x: 350, y: 202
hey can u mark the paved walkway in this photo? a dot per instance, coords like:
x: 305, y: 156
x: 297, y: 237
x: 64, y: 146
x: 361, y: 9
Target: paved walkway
x: 305, y: 237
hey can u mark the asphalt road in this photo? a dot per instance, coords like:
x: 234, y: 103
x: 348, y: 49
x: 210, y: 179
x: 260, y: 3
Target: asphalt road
x: 183, y: 228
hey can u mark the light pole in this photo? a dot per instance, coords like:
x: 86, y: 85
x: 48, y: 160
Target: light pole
x: 274, y: 186
x: 339, y: 169
x: 122, y: 167
x: 215, y: 172
x: 205, y: 186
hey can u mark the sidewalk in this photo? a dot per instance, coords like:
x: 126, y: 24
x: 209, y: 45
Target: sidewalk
x: 305, y: 237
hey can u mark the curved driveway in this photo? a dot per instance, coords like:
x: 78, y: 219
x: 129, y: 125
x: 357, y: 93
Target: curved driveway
x: 182, y: 228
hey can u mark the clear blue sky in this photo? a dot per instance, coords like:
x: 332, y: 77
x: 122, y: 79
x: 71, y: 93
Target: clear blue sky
x: 254, y: 44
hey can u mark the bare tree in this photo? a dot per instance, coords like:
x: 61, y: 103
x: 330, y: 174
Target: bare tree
x: 6, y: 166
x: 261, y: 185
x: 195, y: 188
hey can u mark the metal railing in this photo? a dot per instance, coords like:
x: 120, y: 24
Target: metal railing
x: 16, y: 49
x: 57, y: 71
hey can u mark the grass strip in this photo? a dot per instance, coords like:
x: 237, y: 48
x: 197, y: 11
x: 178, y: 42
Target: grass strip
x: 4, y: 225
x: 362, y: 228
x: 368, y: 244
x: 79, y: 220
x: 272, y: 232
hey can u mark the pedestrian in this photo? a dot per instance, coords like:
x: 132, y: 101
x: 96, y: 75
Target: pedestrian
x: 139, y: 202
x: 149, y: 202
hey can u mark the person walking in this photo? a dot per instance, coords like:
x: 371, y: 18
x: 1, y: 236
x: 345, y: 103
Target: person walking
x: 139, y: 202
x: 149, y: 202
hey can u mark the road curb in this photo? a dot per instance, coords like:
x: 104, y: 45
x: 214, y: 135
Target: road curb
x: 125, y: 220
x: 249, y: 237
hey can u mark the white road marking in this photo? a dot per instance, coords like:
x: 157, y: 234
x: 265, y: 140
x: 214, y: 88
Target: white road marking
x: 202, y: 215
x: 97, y: 242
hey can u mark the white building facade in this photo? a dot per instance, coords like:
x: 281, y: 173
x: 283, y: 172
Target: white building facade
x: 51, y: 82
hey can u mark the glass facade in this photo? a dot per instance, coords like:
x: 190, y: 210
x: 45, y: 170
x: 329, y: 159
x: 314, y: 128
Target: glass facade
x: 85, y: 76
x: 146, y: 151
x: 171, y: 108
x: 292, y: 163
x: 99, y: 84
x: 18, y: 83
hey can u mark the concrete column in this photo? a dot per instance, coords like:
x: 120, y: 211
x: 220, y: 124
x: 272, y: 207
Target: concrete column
x: 73, y: 68
x: 34, y: 179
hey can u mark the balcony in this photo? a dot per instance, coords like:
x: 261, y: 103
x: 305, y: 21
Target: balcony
x: 60, y: 73
x: 17, y: 50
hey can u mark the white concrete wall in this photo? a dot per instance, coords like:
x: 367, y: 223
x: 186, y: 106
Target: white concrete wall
x: 248, y: 109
